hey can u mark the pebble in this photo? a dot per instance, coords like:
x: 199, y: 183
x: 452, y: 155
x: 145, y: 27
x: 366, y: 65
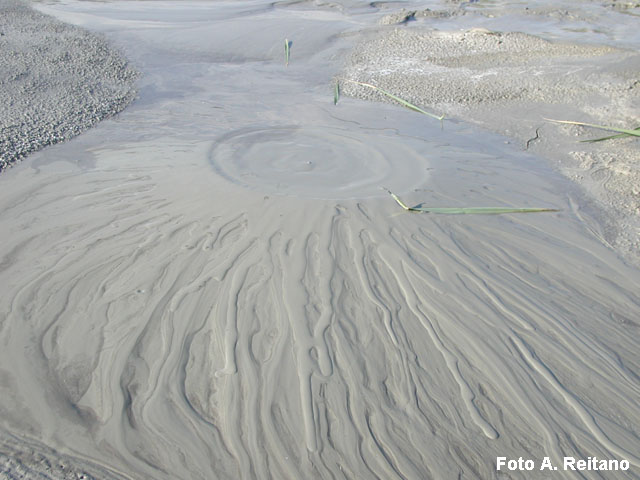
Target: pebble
x: 56, y: 81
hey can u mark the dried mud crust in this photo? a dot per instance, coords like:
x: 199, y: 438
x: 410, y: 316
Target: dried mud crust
x: 25, y: 459
x: 404, y: 16
x: 509, y: 82
x: 56, y: 80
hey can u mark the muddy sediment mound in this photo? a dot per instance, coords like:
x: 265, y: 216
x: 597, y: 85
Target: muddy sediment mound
x: 56, y: 80
x: 509, y: 83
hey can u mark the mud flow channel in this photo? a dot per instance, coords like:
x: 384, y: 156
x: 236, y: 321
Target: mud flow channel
x: 216, y: 284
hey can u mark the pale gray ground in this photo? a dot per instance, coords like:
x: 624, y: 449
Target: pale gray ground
x: 509, y: 82
x: 56, y: 80
x: 26, y: 460
x: 212, y: 284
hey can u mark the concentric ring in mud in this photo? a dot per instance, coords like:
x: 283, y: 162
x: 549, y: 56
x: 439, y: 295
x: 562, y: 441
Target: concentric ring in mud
x: 317, y: 162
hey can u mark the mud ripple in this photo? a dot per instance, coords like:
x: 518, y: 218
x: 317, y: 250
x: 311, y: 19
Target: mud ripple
x: 316, y: 162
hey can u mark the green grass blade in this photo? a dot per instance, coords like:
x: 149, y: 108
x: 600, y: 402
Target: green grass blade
x: 408, y: 105
x: 467, y: 210
x: 399, y: 100
x: 619, y: 135
x: 635, y: 133
x: 336, y: 93
x: 478, y: 210
x: 395, y: 197
x: 602, y: 139
x: 287, y: 51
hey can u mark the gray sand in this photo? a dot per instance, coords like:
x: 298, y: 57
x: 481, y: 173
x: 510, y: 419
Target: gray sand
x: 509, y: 82
x: 216, y: 287
x: 56, y: 80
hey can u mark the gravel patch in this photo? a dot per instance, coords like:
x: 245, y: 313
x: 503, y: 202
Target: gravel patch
x: 56, y: 80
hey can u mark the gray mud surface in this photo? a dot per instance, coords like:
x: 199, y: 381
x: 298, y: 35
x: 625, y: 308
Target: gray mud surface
x: 20, y: 459
x: 510, y: 83
x: 214, y: 285
x: 56, y: 80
